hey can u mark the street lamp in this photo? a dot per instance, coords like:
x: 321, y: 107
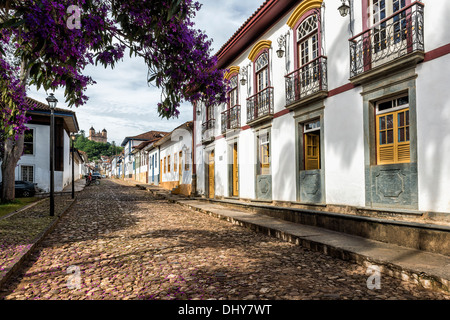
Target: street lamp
x: 72, y: 137
x: 243, y: 75
x: 52, y: 101
x: 282, y: 46
x: 344, y: 9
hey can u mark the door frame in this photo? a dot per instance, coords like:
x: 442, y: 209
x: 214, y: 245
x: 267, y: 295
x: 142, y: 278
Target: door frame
x: 302, y: 116
x: 207, y: 154
x: 230, y: 164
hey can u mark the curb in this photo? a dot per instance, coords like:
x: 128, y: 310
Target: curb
x: 15, y: 265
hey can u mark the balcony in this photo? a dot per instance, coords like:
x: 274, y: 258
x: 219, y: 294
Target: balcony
x: 208, y: 131
x: 260, y: 107
x: 392, y: 44
x: 307, y: 84
x: 231, y: 119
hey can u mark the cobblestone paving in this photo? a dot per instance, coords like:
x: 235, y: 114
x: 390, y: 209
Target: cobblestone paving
x: 118, y: 242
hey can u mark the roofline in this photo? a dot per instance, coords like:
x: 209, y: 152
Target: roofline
x: 60, y: 114
x: 266, y: 16
x: 167, y: 137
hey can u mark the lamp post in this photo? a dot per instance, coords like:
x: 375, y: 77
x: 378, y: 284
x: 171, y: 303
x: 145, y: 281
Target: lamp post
x: 72, y: 138
x: 52, y: 101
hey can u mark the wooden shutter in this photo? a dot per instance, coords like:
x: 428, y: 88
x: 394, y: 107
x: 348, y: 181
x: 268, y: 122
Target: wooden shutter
x: 393, y: 141
x: 312, y: 151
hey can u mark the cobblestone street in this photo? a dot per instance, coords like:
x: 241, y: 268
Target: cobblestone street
x: 118, y: 242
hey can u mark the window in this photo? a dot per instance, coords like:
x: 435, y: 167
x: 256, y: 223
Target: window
x: 308, y: 50
x: 28, y: 146
x: 175, y: 162
x: 186, y: 161
x: 264, y: 154
x: 311, y: 132
x: 168, y: 163
x: 165, y: 164
x: 262, y: 71
x: 233, y: 93
x: 27, y: 173
x: 380, y: 10
x: 393, y: 131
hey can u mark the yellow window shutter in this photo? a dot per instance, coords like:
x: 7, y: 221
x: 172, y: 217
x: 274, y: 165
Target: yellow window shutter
x: 386, y: 154
x: 404, y: 152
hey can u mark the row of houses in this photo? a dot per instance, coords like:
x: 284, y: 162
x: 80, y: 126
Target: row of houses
x: 158, y: 158
x: 344, y: 107
x: 332, y: 104
x: 34, y: 165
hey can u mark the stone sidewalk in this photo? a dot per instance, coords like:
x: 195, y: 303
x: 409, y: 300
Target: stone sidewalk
x: 118, y: 242
x: 424, y: 268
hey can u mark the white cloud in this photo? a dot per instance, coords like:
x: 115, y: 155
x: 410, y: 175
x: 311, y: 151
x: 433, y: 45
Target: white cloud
x: 124, y: 104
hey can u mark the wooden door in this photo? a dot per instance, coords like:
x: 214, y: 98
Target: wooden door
x: 312, y: 151
x: 235, y: 171
x: 211, y: 175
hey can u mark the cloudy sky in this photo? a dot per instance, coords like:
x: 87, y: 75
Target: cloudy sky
x: 123, y: 103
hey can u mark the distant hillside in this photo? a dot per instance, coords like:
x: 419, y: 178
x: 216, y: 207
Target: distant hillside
x: 94, y: 149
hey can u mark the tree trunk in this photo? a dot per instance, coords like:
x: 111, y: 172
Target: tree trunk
x: 13, y: 152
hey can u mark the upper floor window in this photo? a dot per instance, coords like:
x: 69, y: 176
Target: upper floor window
x: 233, y: 93
x: 262, y: 71
x: 308, y: 40
x: 28, y: 146
x: 383, y: 33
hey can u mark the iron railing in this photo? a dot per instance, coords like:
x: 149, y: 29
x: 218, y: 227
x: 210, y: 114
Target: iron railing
x: 260, y: 105
x: 231, y: 118
x: 208, y: 129
x: 391, y: 38
x: 307, y: 80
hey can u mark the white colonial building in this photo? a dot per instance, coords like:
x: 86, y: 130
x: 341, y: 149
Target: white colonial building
x: 129, y: 169
x: 175, y: 167
x: 34, y: 165
x: 329, y: 110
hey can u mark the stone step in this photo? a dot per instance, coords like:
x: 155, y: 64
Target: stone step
x: 406, y: 232
x: 430, y: 270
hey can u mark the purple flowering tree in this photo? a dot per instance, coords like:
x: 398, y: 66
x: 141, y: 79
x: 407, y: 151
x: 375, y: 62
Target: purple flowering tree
x: 53, y: 41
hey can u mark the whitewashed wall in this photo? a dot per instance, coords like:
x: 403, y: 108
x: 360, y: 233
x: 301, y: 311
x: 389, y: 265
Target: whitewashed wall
x: 433, y: 131
x: 343, y: 119
x: 180, y: 138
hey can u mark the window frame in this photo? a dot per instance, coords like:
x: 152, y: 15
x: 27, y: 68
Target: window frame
x: 367, y: 12
x: 232, y: 90
x: 33, y: 143
x: 264, y: 168
x: 317, y: 127
x: 298, y: 41
x: 168, y: 163
x: 21, y: 172
x: 266, y: 68
x: 396, y: 145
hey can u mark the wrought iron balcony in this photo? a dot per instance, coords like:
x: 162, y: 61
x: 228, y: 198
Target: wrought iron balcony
x: 307, y: 81
x: 393, y: 38
x: 231, y: 118
x: 260, y: 106
x: 208, y: 130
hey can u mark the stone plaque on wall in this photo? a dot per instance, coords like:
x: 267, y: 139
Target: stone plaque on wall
x: 394, y: 185
x: 264, y: 187
x: 311, y: 186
